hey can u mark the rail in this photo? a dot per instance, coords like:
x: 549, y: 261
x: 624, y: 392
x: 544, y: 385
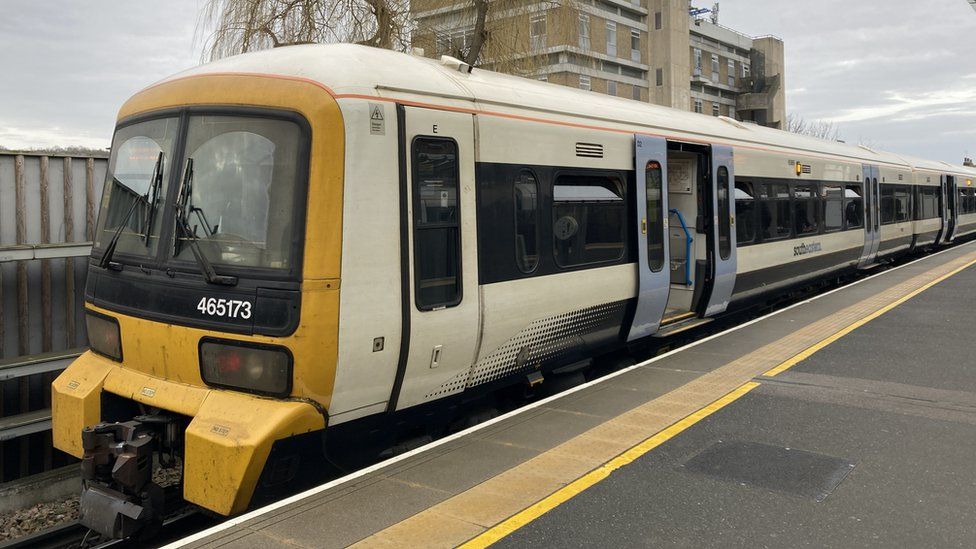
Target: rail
x: 27, y: 252
x: 688, y: 241
x: 19, y: 380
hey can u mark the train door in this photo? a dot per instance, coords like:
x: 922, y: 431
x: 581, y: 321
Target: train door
x: 654, y: 276
x: 950, y: 215
x: 872, y: 217
x: 437, y: 158
x: 722, y: 247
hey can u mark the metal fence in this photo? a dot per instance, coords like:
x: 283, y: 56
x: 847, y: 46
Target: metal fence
x: 47, y: 217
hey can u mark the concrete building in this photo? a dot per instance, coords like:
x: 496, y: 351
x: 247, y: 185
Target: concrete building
x: 647, y: 50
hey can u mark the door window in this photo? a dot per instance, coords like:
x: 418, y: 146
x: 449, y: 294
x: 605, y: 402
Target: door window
x: 655, y: 217
x: 724, y: 215
x: 436, y: 223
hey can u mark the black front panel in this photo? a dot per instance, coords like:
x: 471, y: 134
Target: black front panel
x: 249, y: 308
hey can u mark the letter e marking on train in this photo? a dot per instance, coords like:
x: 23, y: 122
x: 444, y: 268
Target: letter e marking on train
x: 377, y: 122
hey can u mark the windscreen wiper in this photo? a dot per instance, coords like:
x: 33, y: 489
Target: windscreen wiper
x: 155, y: 189
x: 183, y: 226
x: 156, y: 179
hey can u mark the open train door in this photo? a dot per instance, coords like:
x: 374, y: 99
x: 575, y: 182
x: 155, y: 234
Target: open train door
x: 654, y: 276
x: 722, y: 241
x: 872, y: 217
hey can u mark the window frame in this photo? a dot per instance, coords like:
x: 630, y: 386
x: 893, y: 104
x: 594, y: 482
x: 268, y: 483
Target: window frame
x: 611, y: 31
x: 583, y: 24
x: 752, y: 183
x: 764, y: 197
x: 823, y: 206
x: 662, y: 215
x: 552, y: 202
x: 415, y: 197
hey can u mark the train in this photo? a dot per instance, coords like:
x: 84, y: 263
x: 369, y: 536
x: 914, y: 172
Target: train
x: 302, y: 247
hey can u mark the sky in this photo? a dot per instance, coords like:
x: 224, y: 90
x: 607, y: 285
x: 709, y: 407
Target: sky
x: 898, y: 75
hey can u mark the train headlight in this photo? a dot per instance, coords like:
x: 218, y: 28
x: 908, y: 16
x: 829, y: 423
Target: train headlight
x: 104, y: 336
x: 262, y: 369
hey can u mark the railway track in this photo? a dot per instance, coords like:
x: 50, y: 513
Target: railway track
x: 73, y: 535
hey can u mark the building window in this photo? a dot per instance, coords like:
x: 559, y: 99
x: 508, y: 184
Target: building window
x: 745, y: 70
x: 611, y: 87
x: 715, y: 109
x: 715, y: 75
x: 436, y: 224
x: 611, y: 39
x: 731, y: 73
x: 636, y: 93
x: 537, y: 31
x: 698, y: 106
x: 584, y: 82
x: 635, y: 54
x: 698, y: 62
x: 659, y: 77
x: 584, y: 31
x: 589, y: 213
x: 658, y: 20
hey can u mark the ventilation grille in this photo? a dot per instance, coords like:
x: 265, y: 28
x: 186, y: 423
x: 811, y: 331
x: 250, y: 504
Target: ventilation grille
x: 589, y: 150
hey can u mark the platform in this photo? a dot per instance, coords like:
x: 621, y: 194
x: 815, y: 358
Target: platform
x: 848, y: 419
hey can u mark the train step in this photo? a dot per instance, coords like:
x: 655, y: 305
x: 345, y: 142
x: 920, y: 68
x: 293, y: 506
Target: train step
x: 681, y: 326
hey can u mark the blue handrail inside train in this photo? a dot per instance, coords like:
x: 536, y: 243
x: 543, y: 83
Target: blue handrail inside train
x: 688, y: 241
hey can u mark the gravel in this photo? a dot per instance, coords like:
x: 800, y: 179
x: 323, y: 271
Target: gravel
x: 15, y: 524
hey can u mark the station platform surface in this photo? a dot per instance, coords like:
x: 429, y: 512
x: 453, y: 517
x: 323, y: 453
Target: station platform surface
x: 845, y: 420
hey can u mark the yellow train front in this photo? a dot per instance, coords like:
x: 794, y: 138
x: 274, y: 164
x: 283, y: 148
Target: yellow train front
x: 212, y: 288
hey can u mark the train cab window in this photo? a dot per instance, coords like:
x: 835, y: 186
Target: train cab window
x: 588, y: 213
x: 724, y: 214
x: 806, y: 207
x: 833, y: 207
x: 903, y: 203
x: 854, y: 206
x: 745, y: 213
x: 775, y: 215
x: 436, y: 223
x: 526, y: 222
x: 654, y: 186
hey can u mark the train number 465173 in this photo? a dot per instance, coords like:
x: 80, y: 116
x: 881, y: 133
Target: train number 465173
x: 228, y: 308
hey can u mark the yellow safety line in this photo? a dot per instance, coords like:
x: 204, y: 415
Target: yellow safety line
x: 809, y: 351
x: 567, y: 492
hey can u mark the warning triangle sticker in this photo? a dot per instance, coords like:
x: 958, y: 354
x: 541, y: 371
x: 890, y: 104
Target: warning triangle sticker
x: 377, y: 113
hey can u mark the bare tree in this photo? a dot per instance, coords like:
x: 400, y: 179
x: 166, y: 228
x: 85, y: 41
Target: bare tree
x: 502, y: 35
x: 488, y: 33
x: 246, y: 25
x: 821, y: 129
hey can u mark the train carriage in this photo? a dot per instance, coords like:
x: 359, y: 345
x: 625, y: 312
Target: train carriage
x: 318, y: 241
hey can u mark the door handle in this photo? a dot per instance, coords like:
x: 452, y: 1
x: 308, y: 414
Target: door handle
x: 644, y: 226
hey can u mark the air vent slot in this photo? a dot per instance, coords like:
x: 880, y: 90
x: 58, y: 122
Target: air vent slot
x: 589, y: 150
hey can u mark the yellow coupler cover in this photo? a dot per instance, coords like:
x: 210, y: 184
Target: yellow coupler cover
x: 227, y: 441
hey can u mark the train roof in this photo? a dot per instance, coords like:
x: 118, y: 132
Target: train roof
x: 349, y: 70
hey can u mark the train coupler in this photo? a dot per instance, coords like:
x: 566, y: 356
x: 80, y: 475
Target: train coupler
x: 119, y: 498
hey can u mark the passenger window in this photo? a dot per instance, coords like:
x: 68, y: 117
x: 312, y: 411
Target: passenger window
x: 806, y: 206
x: 833, y: 207
x: 655, y: 217
x: 724, y: 221
x: 887, y: 204
x: 854, y: 206
x: 588, y: 220
x: 776, y: 219
x: 745, y: 213
x: 526, y: 222
x: 902, y: 203
x: 928, y: 202
x: 437, y: 234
